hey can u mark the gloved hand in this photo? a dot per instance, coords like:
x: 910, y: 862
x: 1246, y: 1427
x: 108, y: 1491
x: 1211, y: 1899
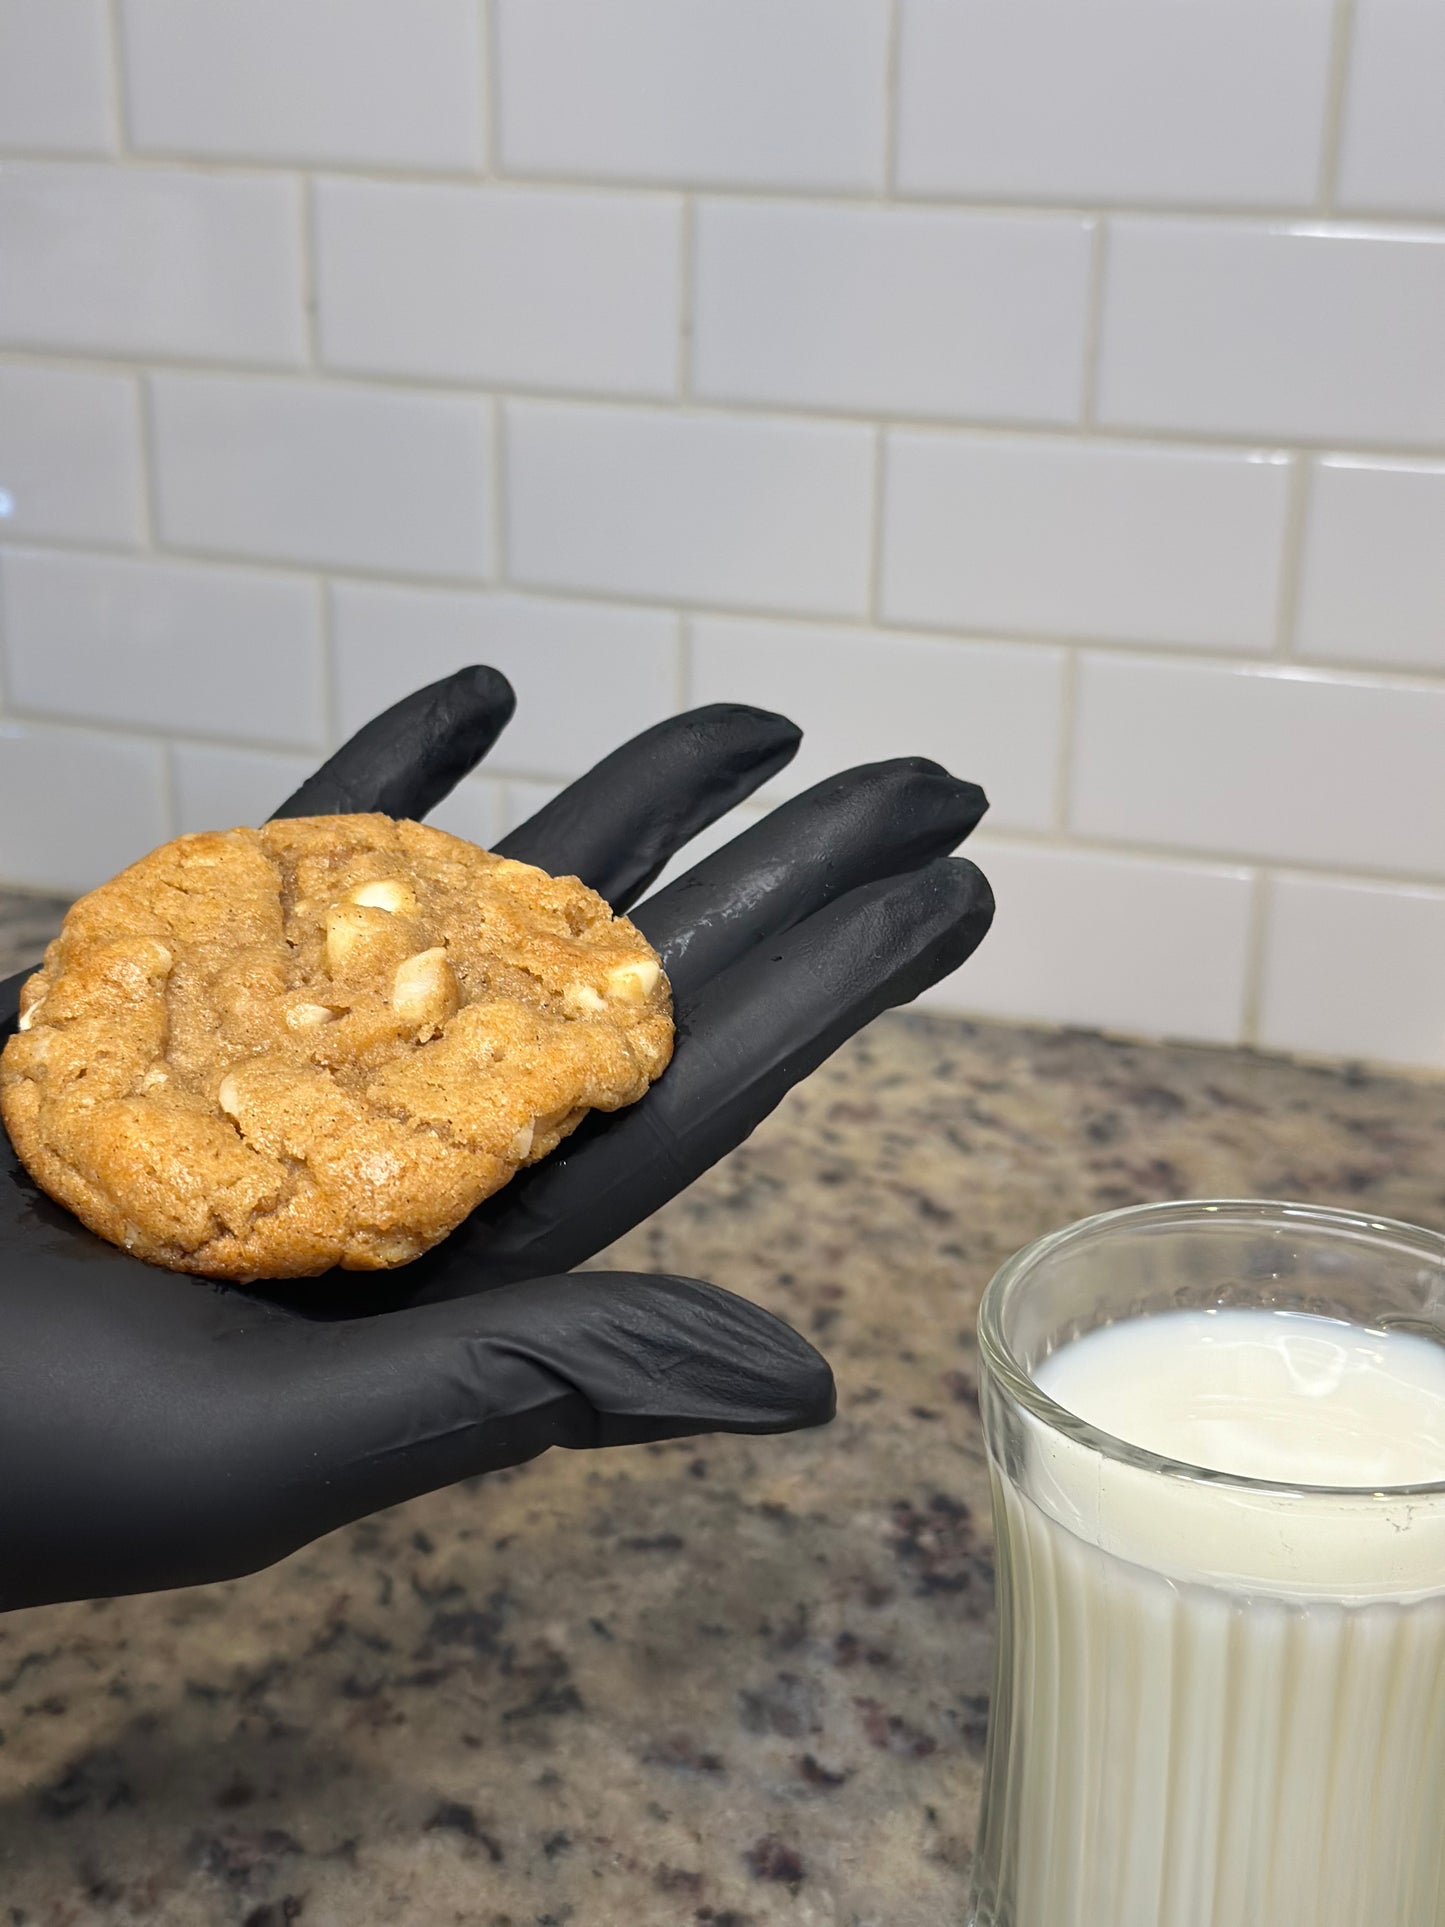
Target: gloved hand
x: 157, y: 1430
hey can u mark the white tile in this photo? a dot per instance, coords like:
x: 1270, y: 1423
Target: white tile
x: 532, y: 287
x: 70, y: 458
x: 1392, y: 149
x: 219, y: 789
x: 55, y: 77
x: 992, y: 712
x: 745, y: 513
x: 476, y: 810
x: 1373, y: 584
x: 1355, y: 969
x: 1319, y: 333
x: 785, y: 93
x: 1295, y: 764
x: 706, y: 842
x: 1083, y: 538
x: 163, y: 645
x: 905, y: 310
x: 1114, y: 942
x: 365, y: 81
x: 354, y: 477
x: 76, y: 806
x: 151, y: 261
x: 1120, y: 100
x: 586, y: 678
x: 523, y: 799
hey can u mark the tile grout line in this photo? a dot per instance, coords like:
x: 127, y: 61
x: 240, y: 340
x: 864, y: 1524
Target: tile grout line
x: 169, y: 795
x: 684, y: 661
x: 157, y: 736
x: 1050, y: 842
x: 1197, y: 654
x: 150, y: 466
x: 891, y: 82
x: 878, y: 527
x: 1026, y: 207
x: 1242, y: 442
x: 1064, y: 765
x: 330, y: 669
x: 310, y: 288
x: 1291, y: 568
x: 490, y: 83
x: 1094, y: 324
x: 1337, y: 90
x: 1261, y: 904
x: 118, y: 77
x: 687, y: 297
x: 501, y: 521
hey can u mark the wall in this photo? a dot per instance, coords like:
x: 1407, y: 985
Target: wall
x: 1056, y: 389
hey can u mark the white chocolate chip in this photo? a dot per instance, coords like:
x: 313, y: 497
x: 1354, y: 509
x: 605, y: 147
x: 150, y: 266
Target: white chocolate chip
x: 27, y: 1017
x: 424, y: 990
x: 229, y: 1095
x: 521, y: 1145
x: 358, y: 939
x: 308, y: 1016
x: 156, y: 1075
x: 634, y: 982
x: 387, y: 893
x: 584, y: 997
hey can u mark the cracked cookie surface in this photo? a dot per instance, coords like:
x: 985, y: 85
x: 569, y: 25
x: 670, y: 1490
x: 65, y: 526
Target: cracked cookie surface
x: 262, y: 1053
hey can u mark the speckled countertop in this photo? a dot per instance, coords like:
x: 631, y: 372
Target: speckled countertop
x: 729, y: 1683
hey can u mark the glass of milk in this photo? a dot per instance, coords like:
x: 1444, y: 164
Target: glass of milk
x: 1217, y: 1441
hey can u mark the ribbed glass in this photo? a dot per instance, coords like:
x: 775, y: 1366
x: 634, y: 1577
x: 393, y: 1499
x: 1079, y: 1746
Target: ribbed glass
x: 1217, y: 1702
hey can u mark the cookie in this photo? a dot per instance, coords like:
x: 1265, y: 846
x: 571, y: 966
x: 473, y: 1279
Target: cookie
x: 262, y: 1053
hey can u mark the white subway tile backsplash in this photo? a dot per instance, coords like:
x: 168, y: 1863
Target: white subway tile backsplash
x: 586, y: 678
x: 1392, y: 145
x: 476, y: 810
x: 76, y: 806
x: 151, y: 261
x: 992, y: 712
x: 1287, y: 763
x: 765, y: 93
x: 1120, y: 100
x: 55, y: 77
x: 1116, y: 942
x: 1314, y: 333
x: 1355, y: 969
x: 221, y: 789
x: 1373, y: 584
x: 1054, y: 390
x: 1083, y: 538
x: 907, y: 310
x: 699, y: 508
x: 524, y: 286
x: 327, y: 473
x: 70, y: 456
x: 364, y: 81
x: 163, y: 645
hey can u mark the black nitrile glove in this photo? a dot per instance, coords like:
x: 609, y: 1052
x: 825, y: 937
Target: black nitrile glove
x: 157, y: 1430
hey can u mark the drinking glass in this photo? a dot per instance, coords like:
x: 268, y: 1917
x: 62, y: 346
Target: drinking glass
x: 1218, y: 1701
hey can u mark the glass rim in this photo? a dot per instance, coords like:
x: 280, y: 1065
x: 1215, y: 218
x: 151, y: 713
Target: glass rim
x: 1013, y: 1376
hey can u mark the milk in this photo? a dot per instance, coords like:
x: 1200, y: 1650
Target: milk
x: 1224, y: 1707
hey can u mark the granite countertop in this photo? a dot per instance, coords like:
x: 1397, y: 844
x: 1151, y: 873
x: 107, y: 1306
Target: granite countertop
x: 722, y: 1683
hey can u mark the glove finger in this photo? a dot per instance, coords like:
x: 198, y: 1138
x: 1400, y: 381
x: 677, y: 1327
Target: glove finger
x: 743, y: 1042
x: 408, y: 758
x: 875, y: 821
x: 379, y: 1409
x: 620, y: 824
